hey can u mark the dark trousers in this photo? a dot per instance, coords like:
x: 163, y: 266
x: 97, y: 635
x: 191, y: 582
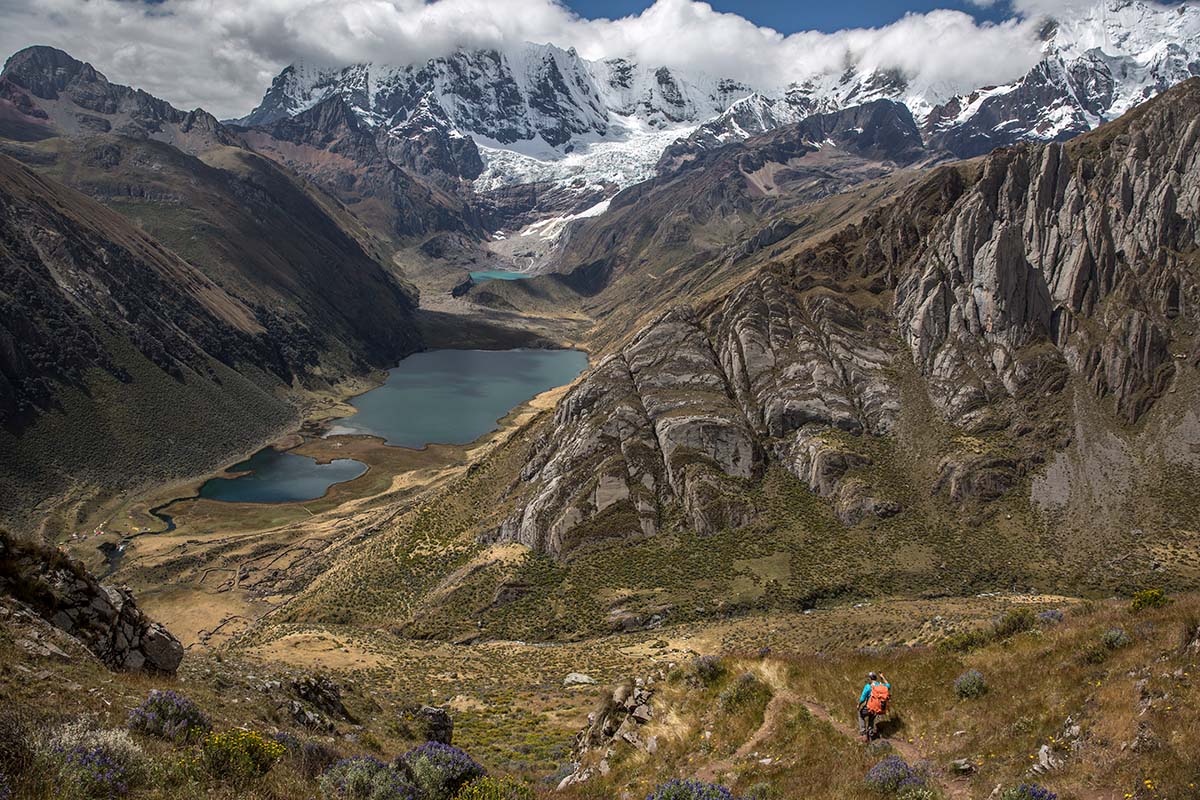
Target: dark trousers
x: 866, y: 722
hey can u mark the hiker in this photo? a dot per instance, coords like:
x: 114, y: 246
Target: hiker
x: 872, y: 704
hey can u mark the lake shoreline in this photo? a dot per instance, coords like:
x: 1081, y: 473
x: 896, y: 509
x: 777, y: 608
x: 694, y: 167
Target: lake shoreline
x: 325, y: 429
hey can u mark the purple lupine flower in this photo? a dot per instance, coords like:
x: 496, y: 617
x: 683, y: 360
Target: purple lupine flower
x: 365, y: 778
x: 439, y: 770
x: 893, y: 775
x: 1029, y: 791
x: 689, y: 790
x: 169, y: 715
x: 93, y: 772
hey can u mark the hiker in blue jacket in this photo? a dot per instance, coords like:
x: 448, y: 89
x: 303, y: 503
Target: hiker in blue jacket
x: 872, y: 704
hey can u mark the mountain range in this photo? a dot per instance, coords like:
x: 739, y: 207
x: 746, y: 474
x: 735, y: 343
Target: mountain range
x: 541, y: 113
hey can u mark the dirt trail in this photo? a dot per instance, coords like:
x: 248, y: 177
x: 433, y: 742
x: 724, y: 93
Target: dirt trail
x: 956, y: 789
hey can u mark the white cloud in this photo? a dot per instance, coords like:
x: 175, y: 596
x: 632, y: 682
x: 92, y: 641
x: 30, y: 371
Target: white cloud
x: 222, y: 54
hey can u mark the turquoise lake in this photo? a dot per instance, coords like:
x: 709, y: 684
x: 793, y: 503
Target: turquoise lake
x: 456, y: 396
x: 435, y: 397
x: 498, y: 275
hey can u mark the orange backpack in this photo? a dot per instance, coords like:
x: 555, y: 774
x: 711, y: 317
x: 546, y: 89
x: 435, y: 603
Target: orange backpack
x: 877, y: 703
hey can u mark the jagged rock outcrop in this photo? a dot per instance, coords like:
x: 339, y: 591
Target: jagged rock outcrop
x: 426, y: 723
x: 616, y: 722
x: 104, y: 619
x: 1002, y: 284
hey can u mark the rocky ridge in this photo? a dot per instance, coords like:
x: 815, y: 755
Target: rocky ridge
x: 1001, y: 284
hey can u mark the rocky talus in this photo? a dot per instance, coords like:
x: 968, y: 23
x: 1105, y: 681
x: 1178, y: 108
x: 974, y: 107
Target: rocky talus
x: 999, y: 286
x: 104, y: 619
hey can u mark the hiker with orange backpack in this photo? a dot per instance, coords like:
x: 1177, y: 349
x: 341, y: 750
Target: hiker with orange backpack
x: 872, y: 704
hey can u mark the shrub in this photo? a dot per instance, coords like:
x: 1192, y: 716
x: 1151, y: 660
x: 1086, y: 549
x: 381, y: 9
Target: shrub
x: 169, y: 716
x: 1115, y: 639
x: 439, y: 770
x: 970, y: 684
x: 364, y: 778
x: 708, y: 669
x: 311, y: 756
x: 689, y: 790
x: 744, y: 690
x: 893, y: 776
x: 239, y: 756
x: 5, y: 789
x: 506, y: 788
x: 1028, y: 791
x: 1148, y: 598
x: 16, y: 752
x: 90, y: 774
x: 1014, y: 621
x: 1051, y: 616
x: 917, y: 793
x: 1094, y: 653
x: 115, y: 743
x: 965, y: 641
x: 760, y: 791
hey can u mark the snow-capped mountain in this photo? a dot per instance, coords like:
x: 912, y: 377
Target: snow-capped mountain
x: 541, y: 114
x: 1097, y: 64
x: 537, y: 104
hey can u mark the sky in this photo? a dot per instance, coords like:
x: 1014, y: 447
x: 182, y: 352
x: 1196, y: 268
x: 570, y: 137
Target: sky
x: 222, y: 54
x: 790, y: 16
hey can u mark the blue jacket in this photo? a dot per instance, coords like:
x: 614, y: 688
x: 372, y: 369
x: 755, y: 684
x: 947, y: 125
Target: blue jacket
x: 866, y: 692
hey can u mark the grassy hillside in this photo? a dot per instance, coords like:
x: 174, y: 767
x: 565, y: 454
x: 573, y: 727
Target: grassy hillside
x: 1102, y: 693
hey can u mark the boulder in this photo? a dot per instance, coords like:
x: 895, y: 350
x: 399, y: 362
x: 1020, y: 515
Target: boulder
x: 578, y: 679
x: 427, y: 723
x: 104, y: 619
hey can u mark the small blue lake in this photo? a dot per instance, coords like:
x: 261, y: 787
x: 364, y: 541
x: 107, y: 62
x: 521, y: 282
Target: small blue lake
x: 439, y: 396
x: 498, y: 275
x: 276, y: 476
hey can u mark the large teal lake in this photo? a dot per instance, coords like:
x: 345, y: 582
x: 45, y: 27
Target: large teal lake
x: 439, y: 396
x: 456, y: 396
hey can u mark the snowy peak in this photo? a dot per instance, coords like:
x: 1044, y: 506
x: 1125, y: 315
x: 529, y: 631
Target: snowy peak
x: 1097, y: 65
x: 537, y: 93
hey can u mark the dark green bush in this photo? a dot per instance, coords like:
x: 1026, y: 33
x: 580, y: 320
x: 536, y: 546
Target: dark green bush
x: 743, y: 691
x: 1014, y: 621
x: 970, y: 684
x: 708, y: 669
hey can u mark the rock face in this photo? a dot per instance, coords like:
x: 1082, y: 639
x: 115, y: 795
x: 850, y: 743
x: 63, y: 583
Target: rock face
x: 104, y: 619
x: 427, y: 723
x: 615, y: 723
x: 1001, y: 285
x: 332, y: 146
x: 534, y: 92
